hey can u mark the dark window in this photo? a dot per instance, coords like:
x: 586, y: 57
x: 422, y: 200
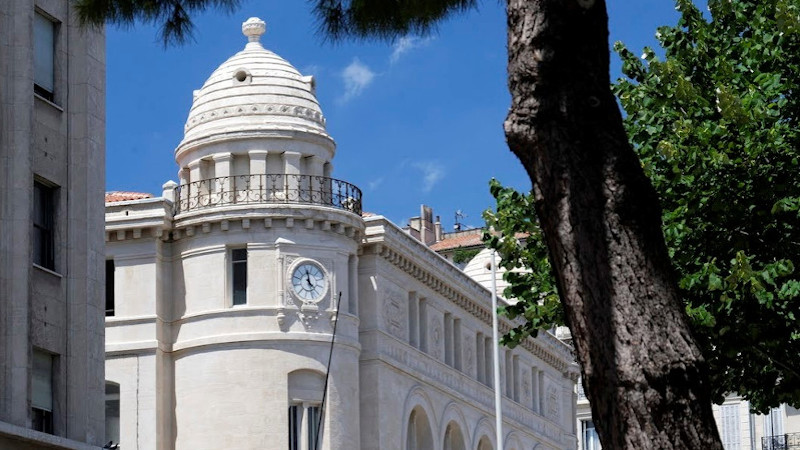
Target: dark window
x: 112, y: 412
x: 43, y: 225
x: 44, y: 46
x: 294, y: 427
x: 42, y: 392
x: 313, y: 426
x: 109, y: 287
x: 239, y: 269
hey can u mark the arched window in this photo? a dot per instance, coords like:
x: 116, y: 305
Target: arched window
x: 453, y: 439
x: 305, y: 414
x: 484, y: 444
x: 419, y: 436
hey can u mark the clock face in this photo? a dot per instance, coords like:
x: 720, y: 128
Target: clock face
x: 308, y: 282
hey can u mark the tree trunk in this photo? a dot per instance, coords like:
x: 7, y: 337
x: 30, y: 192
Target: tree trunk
x: 644, y: 375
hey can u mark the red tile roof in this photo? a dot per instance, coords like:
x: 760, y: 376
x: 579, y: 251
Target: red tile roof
x: 461, y: 240
x: 366, y: 214
x: 122, y: 196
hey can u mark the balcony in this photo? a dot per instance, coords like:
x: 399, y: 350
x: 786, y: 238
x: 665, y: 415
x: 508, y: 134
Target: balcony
x: 790, y: 441
x: 269, y: 189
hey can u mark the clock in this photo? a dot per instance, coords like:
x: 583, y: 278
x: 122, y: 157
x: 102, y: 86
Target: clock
x: 309, y: 282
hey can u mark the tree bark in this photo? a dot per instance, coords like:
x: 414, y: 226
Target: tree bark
x: 644, y: 375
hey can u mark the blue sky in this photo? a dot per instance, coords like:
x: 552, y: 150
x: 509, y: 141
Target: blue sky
x: 416, y: 121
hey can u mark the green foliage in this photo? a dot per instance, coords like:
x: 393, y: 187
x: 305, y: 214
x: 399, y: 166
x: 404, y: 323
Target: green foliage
x: 715, y: 123
x: 518, y: 240
x: 338, y: 19
x: 462, y: 255
x: 172, y: 16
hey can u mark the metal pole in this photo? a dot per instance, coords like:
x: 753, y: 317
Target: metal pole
x: 496, y: 343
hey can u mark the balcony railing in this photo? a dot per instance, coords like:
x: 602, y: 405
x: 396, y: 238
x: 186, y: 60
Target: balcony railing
x: 268, y: 189
x: 790, y: 441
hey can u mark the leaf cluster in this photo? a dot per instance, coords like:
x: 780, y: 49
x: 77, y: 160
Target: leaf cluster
x: 715, y: 124
x: 172, y: 16
x: 513, y: 231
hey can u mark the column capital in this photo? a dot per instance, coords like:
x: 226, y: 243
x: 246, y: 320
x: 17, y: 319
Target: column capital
x: 222, y: 157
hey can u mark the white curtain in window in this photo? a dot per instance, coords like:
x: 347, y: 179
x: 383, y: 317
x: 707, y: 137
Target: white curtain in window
x: 729, y: 429
x: 591, y: 441
x: 773, y: 422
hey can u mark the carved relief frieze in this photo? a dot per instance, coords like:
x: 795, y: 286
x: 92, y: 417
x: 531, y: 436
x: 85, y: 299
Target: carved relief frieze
x: 553, y: 410
x: 271, y: 109
x: 394, y: 316
x: 469, y: 355
x: 436, y: 339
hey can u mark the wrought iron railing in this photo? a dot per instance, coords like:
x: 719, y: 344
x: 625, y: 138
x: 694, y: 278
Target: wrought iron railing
x: 790, y: 441
x: 268, y: 189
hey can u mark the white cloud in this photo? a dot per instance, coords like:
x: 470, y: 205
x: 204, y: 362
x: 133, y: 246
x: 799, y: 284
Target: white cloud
x: 311, y: 69
x: 357, y: 76
x: 432, y: 172
x: 372, y: 185
x: 405, y: 44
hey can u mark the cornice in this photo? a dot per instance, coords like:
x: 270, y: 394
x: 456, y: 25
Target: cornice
x: 386, y: 240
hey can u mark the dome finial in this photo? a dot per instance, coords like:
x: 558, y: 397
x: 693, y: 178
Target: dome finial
x: 253, y: 28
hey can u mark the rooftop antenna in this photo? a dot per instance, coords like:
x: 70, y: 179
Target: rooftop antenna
x: 459, y: 217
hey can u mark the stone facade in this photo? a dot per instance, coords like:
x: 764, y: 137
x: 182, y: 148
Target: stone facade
x: 52, y: 88
x: 229, y: 288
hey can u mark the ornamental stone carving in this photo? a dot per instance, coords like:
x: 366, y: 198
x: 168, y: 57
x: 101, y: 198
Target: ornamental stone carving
x: 436, y: 340
x: 553, y: 410
x: 394, y: 317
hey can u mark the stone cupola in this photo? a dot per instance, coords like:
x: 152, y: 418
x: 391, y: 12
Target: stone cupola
x: 256, y: 122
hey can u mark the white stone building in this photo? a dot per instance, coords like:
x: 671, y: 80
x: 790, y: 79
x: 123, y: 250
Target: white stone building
x: 52, y: 88
x: 225, y: 292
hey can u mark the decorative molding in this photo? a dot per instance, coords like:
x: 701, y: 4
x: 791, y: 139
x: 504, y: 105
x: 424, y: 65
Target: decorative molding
x: 444, y: 377
x: 256, y: 109
x: 547, y: 352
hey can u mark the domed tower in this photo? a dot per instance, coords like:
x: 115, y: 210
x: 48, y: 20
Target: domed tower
x: 264, y: 246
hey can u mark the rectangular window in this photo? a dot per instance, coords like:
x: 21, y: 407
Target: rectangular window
x: 109, y: 287
x: 423, y: 325
x: 488, y: 351
x: 535, y: 389
x: 112, y: 412
x: 515, y: 376
x: 480, y: 358
x: 239, y: 275
x: 313, y: 427
x: 591, y: 441
x: 43, y: 225
x: 448, y: 339
x: 44, y: 47
x: 509, y: 375
x: 413, y: 315
x: 729, y: 431
x: 457, y: 344
x: 295, y: 416
x: 304, y: 425
x: 42, y: 392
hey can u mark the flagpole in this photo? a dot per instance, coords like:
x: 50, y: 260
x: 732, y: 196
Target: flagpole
x: 496, y: 360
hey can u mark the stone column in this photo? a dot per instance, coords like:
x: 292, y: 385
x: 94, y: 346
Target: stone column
x: 259, y: 185
x: 183, y: 183
x: 291, y: 167
x: 223, y: 185
x: 319, y: 193
x: 198, y: 189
